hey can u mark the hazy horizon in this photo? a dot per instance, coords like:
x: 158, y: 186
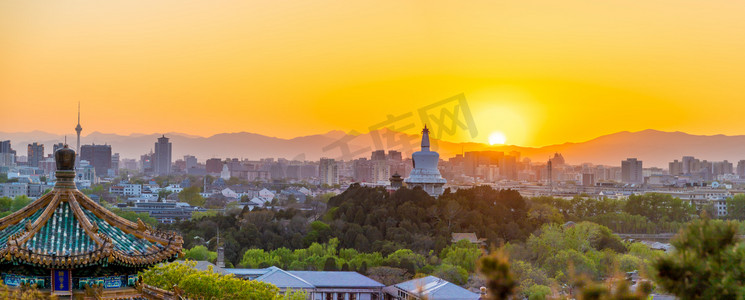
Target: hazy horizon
x: 656, y: 148
x: 539, y: 73
x: 71, y: 137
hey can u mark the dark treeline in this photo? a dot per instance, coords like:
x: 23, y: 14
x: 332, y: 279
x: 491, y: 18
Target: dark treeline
x: 369, y: 220
x: 649, y: 213
x: 373, y: 220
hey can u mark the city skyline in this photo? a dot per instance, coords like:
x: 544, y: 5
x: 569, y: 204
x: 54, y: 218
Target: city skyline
x: 540, y: 79
x: 372, y: 150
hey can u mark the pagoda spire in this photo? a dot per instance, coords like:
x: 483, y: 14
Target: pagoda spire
x: 425, y: 138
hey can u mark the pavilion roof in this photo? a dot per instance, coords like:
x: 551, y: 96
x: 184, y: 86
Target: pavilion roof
x: 66, y: 229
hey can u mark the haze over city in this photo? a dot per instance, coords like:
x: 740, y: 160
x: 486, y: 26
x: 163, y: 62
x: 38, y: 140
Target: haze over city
x: 540, y: 72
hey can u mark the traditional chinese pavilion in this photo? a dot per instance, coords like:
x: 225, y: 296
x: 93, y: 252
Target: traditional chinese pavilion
x: 64, y: 240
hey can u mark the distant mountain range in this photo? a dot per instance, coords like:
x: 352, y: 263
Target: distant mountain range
x: 655, y: 148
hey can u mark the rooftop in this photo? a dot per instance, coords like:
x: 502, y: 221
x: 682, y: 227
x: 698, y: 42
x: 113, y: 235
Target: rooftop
x: 435, y: 288
x: 66, y: 229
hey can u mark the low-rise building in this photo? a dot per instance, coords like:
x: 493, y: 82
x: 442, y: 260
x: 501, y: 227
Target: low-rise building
x: 13, y: 190
x: 126, y: 189
x: 320, y: 285
x: 430, y: 288
x: 166, y: 212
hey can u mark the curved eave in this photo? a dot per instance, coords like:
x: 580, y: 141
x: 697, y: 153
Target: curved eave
x: 101, y: 256
x: 165, y: 245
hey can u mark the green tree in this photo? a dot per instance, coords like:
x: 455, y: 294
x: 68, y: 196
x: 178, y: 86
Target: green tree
x: 191, y: 195
x: 20, y: 202
x: 543, y: 213
x: 612, y: 289
x: 291, y: 294
x: 201, y: 214
x: 537, y: 292
x: 206, y: 284
x: 462, y: 254
x: 454, y: 274
x: 255, y: 258
x: 659, y: 207
x: 133, y: 216
x: 500, y: 282
x: 5, y: 203
x: 200, y: 253
x: 736, y: 207
x: 406, y: 259
x: 330, y: 264
x: 708, y: 262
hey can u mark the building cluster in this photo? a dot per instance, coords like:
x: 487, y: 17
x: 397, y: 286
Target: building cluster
x: 36, y: 170
x: 348, y: 285
x: 276, y: 180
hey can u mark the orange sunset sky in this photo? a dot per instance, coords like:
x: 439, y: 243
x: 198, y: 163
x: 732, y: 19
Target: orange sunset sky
x: 542, y: 72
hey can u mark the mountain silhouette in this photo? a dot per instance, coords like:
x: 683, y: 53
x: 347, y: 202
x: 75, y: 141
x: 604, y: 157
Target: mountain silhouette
x: 653, y: 147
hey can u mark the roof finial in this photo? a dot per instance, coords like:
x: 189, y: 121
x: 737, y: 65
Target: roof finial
x: 425, y: 138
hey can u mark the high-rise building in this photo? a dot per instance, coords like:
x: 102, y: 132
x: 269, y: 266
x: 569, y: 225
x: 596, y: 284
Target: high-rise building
x: 213, y: 165
x: 675, y: 168
x: 7, y: 154
x: 721, y: 168
x: 328, y: 171
x: 485, y: 163
x: 588, y: 179
x: 56, y: 147
x: 378, y: 155
x: 363, y: 170
x: 162, y: 158
x: 35, y: 154
x: 741, y: 168
x: 114, y: 164
x: 394, y: 155
x: 190, y: 161
x: 558, y: 160
x: 631, y: 171
x: 381, y: 169
x: 5, y: 147
x: 128, y: 164
x: 689, y: 164
x: 146, y: 163
x: 98, y: 156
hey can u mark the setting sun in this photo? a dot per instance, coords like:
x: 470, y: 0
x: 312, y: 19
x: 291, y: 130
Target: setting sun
x: 497, y: 138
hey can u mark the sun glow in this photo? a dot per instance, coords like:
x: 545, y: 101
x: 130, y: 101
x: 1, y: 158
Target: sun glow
x: 497, y: 138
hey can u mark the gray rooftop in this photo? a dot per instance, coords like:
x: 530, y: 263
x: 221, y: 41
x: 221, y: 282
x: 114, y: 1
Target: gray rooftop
x: 336, y: 279
x: 284, y: 280
x: 436, y: 289
x: 247, y: 272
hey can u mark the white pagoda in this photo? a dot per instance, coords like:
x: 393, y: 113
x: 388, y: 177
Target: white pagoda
x: 425, y: 173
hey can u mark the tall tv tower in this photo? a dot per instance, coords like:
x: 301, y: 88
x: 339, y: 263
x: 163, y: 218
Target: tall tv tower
x: 78, y: 129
